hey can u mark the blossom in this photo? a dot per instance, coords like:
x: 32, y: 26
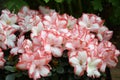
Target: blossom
x: 2, y: 60
x: 104, y: 33
x: 7, y: 37
x: 19, y: 47
x: 108, y: 53
x: 79, y: 61
x: 85, y: 40
x: 45, y: 10
x: 37, y: 28
x: 95, y: 24
x: 52, y: 42
x: 34, y: 60
x: 54, y: 21
x: 93, y: 67
x: 9, y: 19
x: 27, y: 18
x: 26, y: 11
x: 90, y: 21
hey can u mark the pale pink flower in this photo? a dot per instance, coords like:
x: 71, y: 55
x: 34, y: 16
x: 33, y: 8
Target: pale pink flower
x: 25, y: 11
x: 71, y: 21
x: 2, y: 36
x: 104, y: 33
x: 45, y: 10
x: 24, y: 61
x: 8, y: 37
x: 90, y: 21
x: 37, y: 29
x: 93, y: 67
x: 19, y: 47
x: 95, y: 24
x: 2, y: 60
x: 54, y: 21
x: 108, y: 54
x: 39, y: 66
x: 9, y: 19
x: 33, y: 59
x: 26, y: 24
x: 52, y: 42
x: 79, y: 61
x: 36, y: 63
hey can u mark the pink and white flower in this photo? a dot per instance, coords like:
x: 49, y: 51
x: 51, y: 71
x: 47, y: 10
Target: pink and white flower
x: 9, y: 19
x: 79, y: 61
x: 108, y: 54
x: 52, y: 42
x: 34, y: 60
x: 19, y: 47
x: 2, y: 60
x: 85, y: 39
x: 93, y: 64
x: 90, y: 21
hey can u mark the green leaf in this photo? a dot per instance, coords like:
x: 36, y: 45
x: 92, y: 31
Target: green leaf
x: 15, y: 5
x: 46, y: 1
x: 10, y: 77
x: 68, y: 1
x: 55, y: 77
x: 10, y: 68
x: 19, y: 74
x: 114, y: 2
x: 59, y: 1
x: 117, y: 12
x: 60, y: 70
x: 97, y: 5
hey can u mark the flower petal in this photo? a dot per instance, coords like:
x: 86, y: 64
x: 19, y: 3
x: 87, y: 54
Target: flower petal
x: 78, y: 70
x: 57, y: 52
x: 44, y: 70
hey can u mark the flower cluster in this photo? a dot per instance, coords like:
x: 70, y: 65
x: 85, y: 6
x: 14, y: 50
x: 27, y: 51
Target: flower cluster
x: 85, y: 39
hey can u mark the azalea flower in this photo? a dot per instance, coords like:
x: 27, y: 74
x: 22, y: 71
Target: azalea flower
x: 26, y: 11
x: 85, y: 39
x: 10, y: 38
x: 93, y: 66
x: 9, y: 19
x: 45, y: 10
x: 95, y: 24
x: 90, y: 21
x: 34, y: 60
x: 79, y: 61
x: 54, y: 21
x: 2, y: 60
x: 108, y: 54
x: 104, y: 33
x: 7, y: 37
x: 52, y: 42
x: 19, y: 47
x: 36, y: 29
